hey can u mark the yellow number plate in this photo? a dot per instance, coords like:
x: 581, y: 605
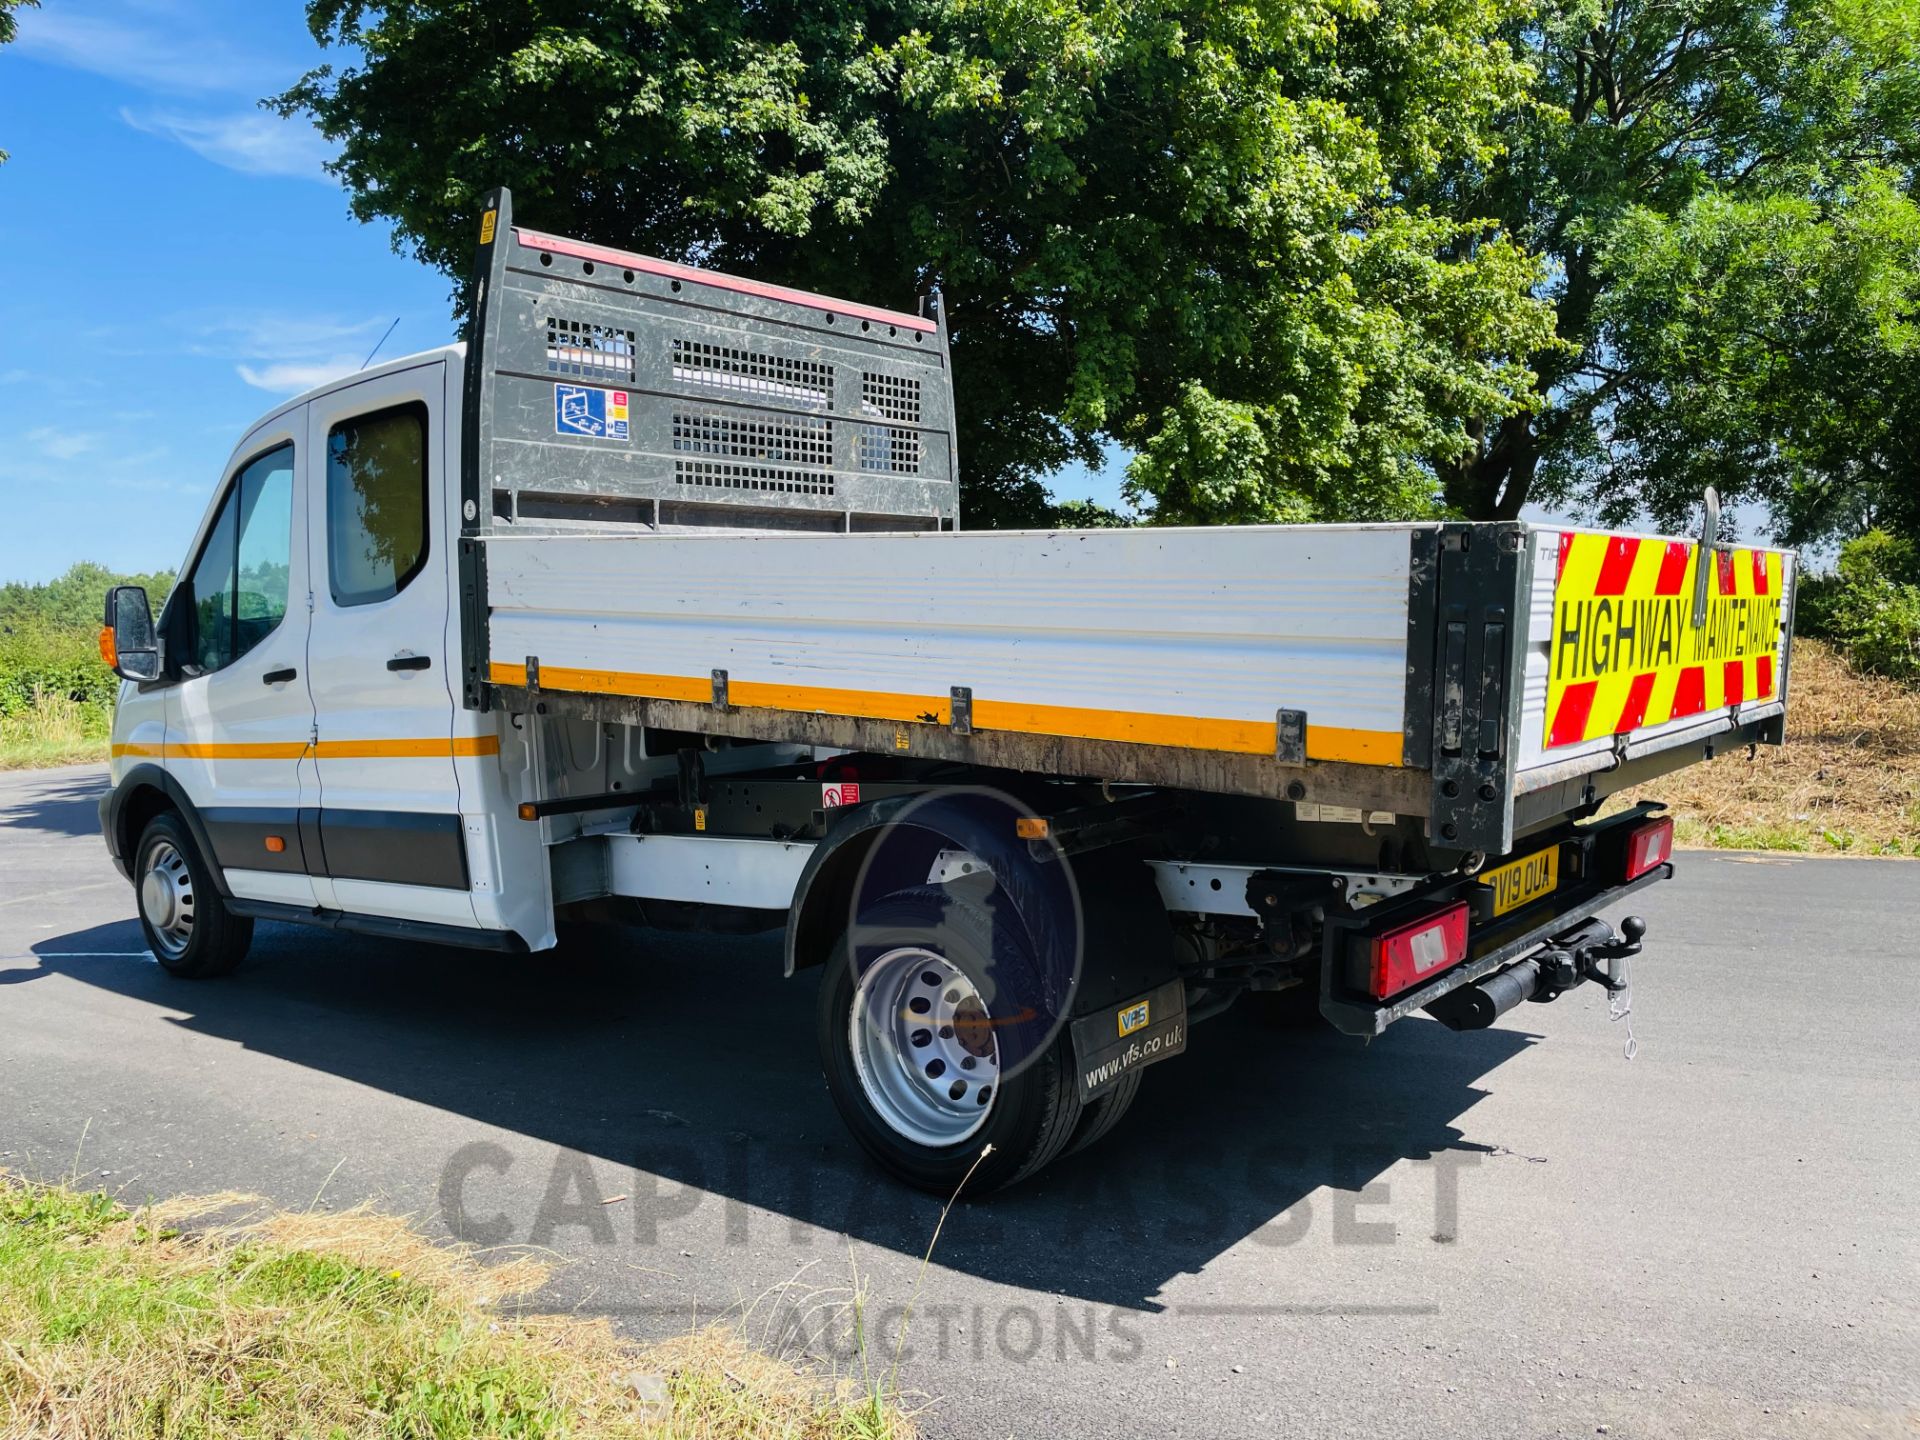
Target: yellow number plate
x: 1520, y: 881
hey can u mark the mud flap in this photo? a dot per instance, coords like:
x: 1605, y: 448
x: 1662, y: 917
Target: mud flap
x: 1117, y: 1039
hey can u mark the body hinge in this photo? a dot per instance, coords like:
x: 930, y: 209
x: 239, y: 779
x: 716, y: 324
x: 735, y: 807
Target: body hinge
x: 1290, y: 737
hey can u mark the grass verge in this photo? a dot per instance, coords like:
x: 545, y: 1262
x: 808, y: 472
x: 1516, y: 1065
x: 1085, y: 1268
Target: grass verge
x: 1847, y: 782
x: 159, y: 1322
x: 53, y: 730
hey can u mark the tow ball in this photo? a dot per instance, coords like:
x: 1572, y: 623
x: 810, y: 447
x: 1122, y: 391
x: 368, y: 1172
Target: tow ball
x: 1589, y: 951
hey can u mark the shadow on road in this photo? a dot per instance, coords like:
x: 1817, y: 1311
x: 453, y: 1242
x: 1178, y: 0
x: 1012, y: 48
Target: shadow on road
x: 692, y: 1060
x: 67, y: 806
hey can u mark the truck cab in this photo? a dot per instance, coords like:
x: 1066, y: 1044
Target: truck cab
x: 306, y: 722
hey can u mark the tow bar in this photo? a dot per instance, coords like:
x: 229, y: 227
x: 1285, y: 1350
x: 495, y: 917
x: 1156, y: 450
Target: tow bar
x: 1589, y: 951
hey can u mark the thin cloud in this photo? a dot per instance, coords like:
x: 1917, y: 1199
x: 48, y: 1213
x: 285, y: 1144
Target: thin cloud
x: 61, y: 444
x: 251, y: 142
x: 276, y: 335
x: 175, y: 60
x: 284, y: 353
x: 289, y: 377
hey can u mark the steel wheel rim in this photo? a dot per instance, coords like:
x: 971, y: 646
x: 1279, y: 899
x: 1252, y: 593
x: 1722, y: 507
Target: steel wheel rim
x: 167, y: 900
x: 930, y: 1074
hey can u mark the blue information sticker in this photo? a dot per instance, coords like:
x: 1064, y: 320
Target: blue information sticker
x: 587, y: 410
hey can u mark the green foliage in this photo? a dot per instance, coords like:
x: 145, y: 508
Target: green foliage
x: 1723, y: 192
x: 49, y: 638
x: 1870, y: 606
x: 1769, y: 348
x: 9, y: 25
x: 1086, y: 515
x: 1151, y: 220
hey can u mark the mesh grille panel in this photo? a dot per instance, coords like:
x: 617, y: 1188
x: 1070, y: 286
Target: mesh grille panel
x: 894, y: 397
x: 887, y: 450
x: 720, y: 475
x: 748, y: 372
x: 797, y: 441
x: 579, y: 347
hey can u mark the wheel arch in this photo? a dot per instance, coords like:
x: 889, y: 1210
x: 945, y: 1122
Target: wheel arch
x: 823, y: 896
x: 144, y: 792
x: 1126, y: 934
x: 824, y: 892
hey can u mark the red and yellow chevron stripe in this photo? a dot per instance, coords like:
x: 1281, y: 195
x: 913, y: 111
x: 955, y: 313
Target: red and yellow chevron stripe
x: 1625, y: 653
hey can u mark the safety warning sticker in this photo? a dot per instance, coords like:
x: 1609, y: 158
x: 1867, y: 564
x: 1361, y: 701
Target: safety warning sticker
x: 590, y: 411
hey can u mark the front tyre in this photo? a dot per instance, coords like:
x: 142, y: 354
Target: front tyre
x: 187, y: 925
x: 918, y: 1019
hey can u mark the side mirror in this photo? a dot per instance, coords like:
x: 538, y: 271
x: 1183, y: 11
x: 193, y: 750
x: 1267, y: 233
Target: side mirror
x: 127, y: 640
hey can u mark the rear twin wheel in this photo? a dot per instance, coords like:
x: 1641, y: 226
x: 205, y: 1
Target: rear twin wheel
x: 924, y: 1030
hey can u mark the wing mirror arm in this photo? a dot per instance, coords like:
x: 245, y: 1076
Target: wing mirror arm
x: 128, y: 641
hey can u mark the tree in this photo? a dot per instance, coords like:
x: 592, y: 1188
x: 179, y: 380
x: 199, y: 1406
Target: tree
x: 1771, y: 349
x: 1681, y: 164
x: 1179, y: 225
x: 9, y: 27
x: 72, y: 602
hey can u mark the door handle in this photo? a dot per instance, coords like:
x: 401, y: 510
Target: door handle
x: 279, y: 677
x: 410, y: 662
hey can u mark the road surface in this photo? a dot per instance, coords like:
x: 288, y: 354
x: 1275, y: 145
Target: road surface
x: 1510, y: 1233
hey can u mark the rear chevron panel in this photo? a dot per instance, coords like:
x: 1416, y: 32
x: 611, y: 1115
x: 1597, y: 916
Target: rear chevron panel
x: 1612, y: 647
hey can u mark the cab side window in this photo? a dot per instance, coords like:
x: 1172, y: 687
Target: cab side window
x: 376, y: 504
x: 236, y: 592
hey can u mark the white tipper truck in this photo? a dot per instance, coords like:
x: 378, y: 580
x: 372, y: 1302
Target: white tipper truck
x: 650, y: 600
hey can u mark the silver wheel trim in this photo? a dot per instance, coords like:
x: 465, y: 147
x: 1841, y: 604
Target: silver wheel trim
x: 924, y: 1076
x: 167, y: 900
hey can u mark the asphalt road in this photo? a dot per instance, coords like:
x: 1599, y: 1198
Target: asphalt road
x: 1512, y: 1233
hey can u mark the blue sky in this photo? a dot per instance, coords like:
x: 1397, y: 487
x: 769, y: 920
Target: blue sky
x: 177, y: 263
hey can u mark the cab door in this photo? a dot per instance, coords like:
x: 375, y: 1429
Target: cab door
x: 389, y: 820
x: 239, y: 721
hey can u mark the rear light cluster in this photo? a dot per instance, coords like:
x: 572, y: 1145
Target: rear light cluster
x: 1648, y: 846
x: 1404, y: 957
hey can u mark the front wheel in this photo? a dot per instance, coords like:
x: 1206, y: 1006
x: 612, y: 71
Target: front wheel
x: 923, y: 1029
x: 188, y: 926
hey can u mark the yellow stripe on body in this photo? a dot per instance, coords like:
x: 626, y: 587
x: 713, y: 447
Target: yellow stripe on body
x: 1247, y: 737
x: 462, y: 746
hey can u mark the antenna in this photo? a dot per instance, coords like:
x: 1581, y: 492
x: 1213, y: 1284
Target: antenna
x: 378, y: 343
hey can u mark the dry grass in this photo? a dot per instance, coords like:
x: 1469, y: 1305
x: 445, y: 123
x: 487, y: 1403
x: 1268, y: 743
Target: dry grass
x: 54, y: 730
x: 1846, y: 782
x: 177, y: 1321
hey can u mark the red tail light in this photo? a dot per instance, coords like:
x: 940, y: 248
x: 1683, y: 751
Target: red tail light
x: 1404, y: 957
x: 1649, y: 845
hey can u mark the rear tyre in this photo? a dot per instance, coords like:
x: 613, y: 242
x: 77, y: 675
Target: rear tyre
x: 1103, y: 1112
x: 914, y: 1022
x: 188, y: 926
